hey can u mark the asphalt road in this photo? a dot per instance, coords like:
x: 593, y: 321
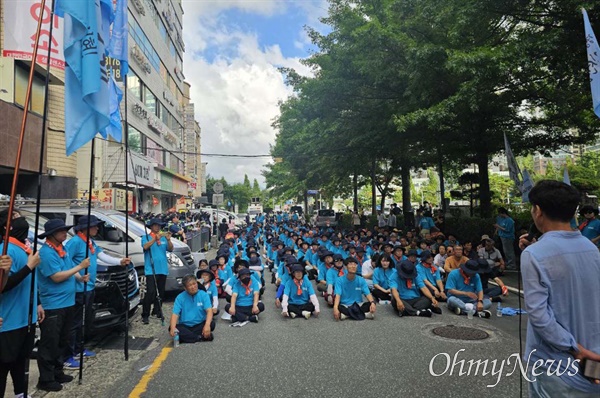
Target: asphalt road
x: 388, y: 356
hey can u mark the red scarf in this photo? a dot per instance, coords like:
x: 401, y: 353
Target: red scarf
x: 217, y: 280
x: 299, y: 286
x: 153, y: 235
x: 466, y: 277
x: 584, y: 224
x: 432, y: 267
x: 20, y: 244
x: 248, y: 290
x: 59, y: 249
x: 341, y: 271
x: 89, y: 242
x: 409, y: 283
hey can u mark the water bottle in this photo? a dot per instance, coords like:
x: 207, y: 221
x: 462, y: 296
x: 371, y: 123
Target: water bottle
x: 176, y: 339
x: 499, y: 310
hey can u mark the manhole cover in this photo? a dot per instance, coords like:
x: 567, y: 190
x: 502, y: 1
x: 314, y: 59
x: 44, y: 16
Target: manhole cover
x: 138, y: 344
x: 460, y: 333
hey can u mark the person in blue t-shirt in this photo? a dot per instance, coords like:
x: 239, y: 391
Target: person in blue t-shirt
x: 382, y: 275
x: 505, y: 228
x: 16, y: 342
x: 192, y: 314
x: 431, y: 276
x: 206, y: 279
x: 349, y: 290
x: 590, y: 226
x: 57, y: 275
x: 244, y: 300
x: 333, y: 273
x: 299, y: 298
x: 156, y: 267
x: 409, y: 294
x: 463, y: 287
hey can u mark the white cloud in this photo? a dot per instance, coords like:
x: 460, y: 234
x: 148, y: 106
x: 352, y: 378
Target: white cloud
x: 235, y: 92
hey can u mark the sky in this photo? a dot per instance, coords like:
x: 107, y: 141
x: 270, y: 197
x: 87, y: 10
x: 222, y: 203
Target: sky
x: 233, y: 51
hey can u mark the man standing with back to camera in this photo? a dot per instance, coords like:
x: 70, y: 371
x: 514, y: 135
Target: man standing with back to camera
x: 561, y: 278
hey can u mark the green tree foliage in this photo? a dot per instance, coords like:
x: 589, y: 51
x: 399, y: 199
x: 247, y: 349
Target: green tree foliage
x: 404, y: 82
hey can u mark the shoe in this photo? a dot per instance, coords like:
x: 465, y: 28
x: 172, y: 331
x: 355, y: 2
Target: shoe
x: 436, y: 310
x: 306, y: 314
x: 145, y: 320
x: 484, y: 314
x: 63, y: 378
x: 343, y: 317
x: 496, y: 299
x: 292, y: 315
x: 385, y: 302
x: 226, y: 316
x: 50, y: 386
x: 22, y: 395
x: 253, y: 318
x: 88, y: 353
x: 457, y: 311
x: 71, y: 363
x: 370, y: 315
x: 424, y: 313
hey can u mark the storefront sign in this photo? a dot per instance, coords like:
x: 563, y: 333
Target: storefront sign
x: 140, y: 172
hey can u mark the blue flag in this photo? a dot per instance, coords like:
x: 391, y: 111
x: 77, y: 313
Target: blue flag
x: 114, y: 129
x: 593, y: 52
x: 566, y: 178
x: 118, y: 46
x: 87, y: 107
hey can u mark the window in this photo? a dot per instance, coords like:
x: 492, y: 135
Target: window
x: 134, y: 85
x: 136, y: 140
x: 154, y: 151
x: 163, y: 31
x: 164, y: 115
x: 38, y: 89
x: 150, y: 100
x: 144, y: 44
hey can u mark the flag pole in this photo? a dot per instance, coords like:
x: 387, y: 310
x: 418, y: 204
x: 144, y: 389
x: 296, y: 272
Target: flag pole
x: 30, y: 324
x: 126, y: 343
x: 13, y: 189
x: 87, y: 249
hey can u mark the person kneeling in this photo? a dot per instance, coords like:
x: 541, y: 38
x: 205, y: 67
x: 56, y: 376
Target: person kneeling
x: 407, y: 286
x: 192, y: 313
x: 299, y: 298
x: 244, y: 300
x: 349, y: 290
x: 464, y: 287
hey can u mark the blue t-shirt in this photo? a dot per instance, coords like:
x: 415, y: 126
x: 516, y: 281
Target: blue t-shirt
x: 15, y: 302
x: 382, y: 277
x: 192, y: 309
x: 55, y: 295
x: 456, y: 281
x: 509, y: 227
x: 245, y: 299
x: 405, y: 293
x: 333, y: 275
x: 76, y: 249
x: 291, y: 290
x: 212, y: 290
x: 426, y: 223
x: 351, y: 291
x: 592, y: 230
x: 159, y: 257
x: 426, y: 274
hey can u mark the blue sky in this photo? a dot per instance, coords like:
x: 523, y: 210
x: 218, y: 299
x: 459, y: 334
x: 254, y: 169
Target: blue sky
x: 233, y: 50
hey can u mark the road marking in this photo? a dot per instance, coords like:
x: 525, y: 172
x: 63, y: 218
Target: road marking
x: 141, y: 387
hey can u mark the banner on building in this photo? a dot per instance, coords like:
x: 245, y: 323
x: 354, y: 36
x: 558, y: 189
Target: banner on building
x: 20, y: 24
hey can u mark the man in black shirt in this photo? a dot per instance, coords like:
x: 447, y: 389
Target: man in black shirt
x: 487, y: 272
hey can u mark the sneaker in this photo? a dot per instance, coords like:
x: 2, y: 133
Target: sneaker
x: 370, y: 315
x: 71, y: 363
x: 457, y: 311
x: 226, y: 316
x: 424, y: 313
x: 343, y: 317
x: 484, y: 314
x: 63, y: 378
x: 253, y: 318
x: 385, y: 302
x: 145, y: 320
x: 22, y: 395
x: 49, y: 386
x: 88, y: 353
x: 306, y: 314
x: 436, y: 310
x: 292, y: 315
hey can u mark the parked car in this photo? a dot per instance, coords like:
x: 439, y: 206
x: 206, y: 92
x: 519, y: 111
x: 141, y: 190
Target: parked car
x: 325, y: 217
x: 109, y: 304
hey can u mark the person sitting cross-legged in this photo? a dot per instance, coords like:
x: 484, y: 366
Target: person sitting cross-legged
x: 464, y: 287
x: 192, y: 313
x: 244, y: 300
x: 299, y: 298
x: 410, y: 296
x: 431, y: 276
x: 349, y: 290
